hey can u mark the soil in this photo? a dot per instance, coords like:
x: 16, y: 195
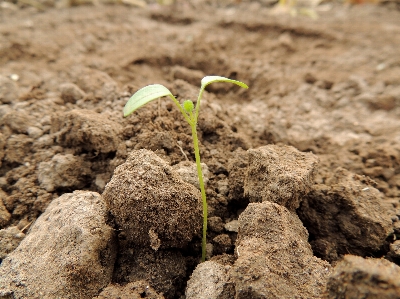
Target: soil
x: 328, y: 87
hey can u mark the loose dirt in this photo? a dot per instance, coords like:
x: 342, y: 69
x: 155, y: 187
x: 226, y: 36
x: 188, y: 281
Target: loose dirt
x: 328, y: 87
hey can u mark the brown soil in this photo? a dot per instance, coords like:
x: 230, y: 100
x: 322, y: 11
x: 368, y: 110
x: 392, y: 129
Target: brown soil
x: 329, y: 86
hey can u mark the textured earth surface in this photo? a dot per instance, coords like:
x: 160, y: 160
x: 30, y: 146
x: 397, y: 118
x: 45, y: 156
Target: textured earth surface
x: 314, y: 143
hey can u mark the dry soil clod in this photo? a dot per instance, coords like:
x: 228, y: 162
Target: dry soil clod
x: 18, y: 121
x: 151, y: 203
x: 210, y: 280
x: 8, y: 90
x: 280, y: 174
x: 71, y: 93
x: 87, y: 130
x: 68, y: 253
x: 163, y: 270
x: 64, y: 171
x: 274, y: 258
x: 345, y: 214
x: 356, y: 277
x: 188, y: 172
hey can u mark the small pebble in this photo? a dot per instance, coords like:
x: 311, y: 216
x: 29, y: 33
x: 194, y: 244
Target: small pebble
x: 232, y: 226
x: 14, y: 77
x: 34, y: 132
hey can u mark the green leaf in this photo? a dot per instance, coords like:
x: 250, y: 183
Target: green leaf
x: 211, y: 79
x: 145, y: 95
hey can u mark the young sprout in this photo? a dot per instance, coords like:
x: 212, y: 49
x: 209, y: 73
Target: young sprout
x: 191, y: 113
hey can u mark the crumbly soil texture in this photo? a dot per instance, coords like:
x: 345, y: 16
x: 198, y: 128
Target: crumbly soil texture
x: 316, y: 137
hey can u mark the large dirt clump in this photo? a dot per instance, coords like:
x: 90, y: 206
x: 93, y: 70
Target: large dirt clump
x: 345, y: 214
x: 87, y: 130
x: 356, y: 277
x: 280, y: 174
x: 151, y: 203
x: 68, y: 253
x: 274, y: 259
x: 210, y: 280
x: 64, y: 171
x: 164, y: 270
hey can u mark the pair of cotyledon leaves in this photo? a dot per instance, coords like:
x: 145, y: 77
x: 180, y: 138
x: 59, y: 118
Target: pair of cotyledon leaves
x: 155, y: 91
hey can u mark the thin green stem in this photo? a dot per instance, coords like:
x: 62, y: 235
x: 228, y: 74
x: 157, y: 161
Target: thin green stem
x: 192, y: 120
x: 202, y: 189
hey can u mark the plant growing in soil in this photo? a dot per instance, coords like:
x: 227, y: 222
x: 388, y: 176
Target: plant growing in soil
x: 190, y: 112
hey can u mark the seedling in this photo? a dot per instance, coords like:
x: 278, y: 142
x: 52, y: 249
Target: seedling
x: 191, y: 113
